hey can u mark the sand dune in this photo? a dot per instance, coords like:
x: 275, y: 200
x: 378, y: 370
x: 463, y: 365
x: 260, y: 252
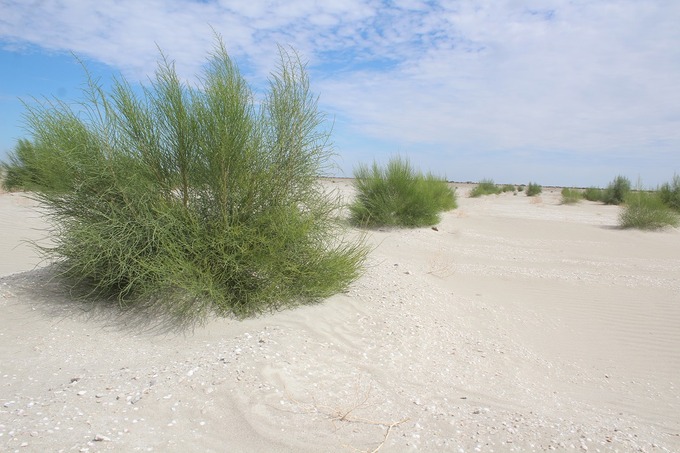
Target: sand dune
x: 520, y: 325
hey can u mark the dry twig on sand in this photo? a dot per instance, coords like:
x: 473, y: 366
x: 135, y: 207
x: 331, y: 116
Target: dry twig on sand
x: 345, y: 414
x: 441, y: 266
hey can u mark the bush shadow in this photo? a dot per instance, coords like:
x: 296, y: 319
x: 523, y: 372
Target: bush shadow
x: 45, y: 291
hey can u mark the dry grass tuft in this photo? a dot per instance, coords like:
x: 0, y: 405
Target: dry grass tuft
x: 347, y: 414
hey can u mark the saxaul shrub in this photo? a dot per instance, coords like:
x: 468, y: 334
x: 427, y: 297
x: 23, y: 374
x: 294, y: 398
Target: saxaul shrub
x: 533, y: 189
x: 616, y: 191
x: 670, y: 193
x: 485, y: 187
x: 196, y: 199
x: 398, y: 195
x: 21, y: 171
x: 646, y: 211
x: 571, y: 196
x: 593, y: 194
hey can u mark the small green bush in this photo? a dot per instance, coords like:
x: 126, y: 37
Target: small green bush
x: 508, y: 188
x: 196, y: 200
x: 593, y: 194
x: 646, y: 211
x: 19, y: 173
x: 670, y: 193
x: 571, y: 196
x: 616, y: 191
x: 485, y: 187
x: 398, y: 195
x: 520, y: 188
x: 533, y: 189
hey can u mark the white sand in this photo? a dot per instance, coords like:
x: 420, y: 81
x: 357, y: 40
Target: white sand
x: 520, y: 325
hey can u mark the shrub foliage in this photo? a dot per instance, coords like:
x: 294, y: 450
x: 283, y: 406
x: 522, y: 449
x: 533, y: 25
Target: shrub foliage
x: 616, y: 191
x: 593, y: 194
x: 646, y: 211
x: 571, y: 196
x: 485, y: 187
x: 670, y: 193
x: 199, y: 199
x: 533, y: 189
x: 398, y: 195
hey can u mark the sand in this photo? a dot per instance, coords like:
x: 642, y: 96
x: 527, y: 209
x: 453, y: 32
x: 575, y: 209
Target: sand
x: 518, y: 325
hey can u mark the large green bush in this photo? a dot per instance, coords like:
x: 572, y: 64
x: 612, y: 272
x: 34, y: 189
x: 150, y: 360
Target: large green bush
x: 398, y: 195
x: 616, y: 191
x: 199, y: 199
x: 647, y: 211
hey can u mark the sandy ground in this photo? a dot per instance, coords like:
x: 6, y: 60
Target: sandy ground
x: 520, y: 325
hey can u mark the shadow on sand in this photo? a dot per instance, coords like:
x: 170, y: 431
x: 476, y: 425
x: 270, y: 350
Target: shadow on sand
x: 45, y: 291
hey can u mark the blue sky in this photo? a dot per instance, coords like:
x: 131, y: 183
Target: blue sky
x: 560, y: 92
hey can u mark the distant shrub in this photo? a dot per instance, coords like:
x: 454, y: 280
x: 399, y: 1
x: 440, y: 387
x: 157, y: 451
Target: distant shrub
x: 593, y: 194
x: 670, y: 193
x: 646, y: 211
x: 571, y: 196
x: 398, y: 195
x: 197, y: 200
x: 33, y: 167
x: 18, y: 173
x: 616, y: 191
x: 533, y: 189
x: 520, y: 188
x: 508, y: 188
x: 485, y: 187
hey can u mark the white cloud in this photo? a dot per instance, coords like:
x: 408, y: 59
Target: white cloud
x: 588, y: 79
x: 576, y: 76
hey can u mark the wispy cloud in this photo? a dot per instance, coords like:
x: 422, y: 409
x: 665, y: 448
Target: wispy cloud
x: 576, y: 76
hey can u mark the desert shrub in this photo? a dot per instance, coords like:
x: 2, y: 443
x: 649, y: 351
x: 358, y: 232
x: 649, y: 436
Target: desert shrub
x: 485, y: 187
x: 508, y: 188
x: 593, y: 194
x: 196, y: 199
x: 646, y: 211
x: 571, y: 196
x: 616, y: 191
x: 33, y: 167
x: 670, y: 193
x: 520, y: 188
x: 398, y: 195
x: 533, y: 189
x: 19, y: 173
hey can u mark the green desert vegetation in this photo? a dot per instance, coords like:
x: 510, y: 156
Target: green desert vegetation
x: 571, y: 196
x: 508, y: 188
x: 533, y: 189
x: 593, y: 194
x: 670, y: 193
x: 646, y: 211
x: 616, y: 191
x: 398, y: 195
x: 199, y: 200
x: 20, y: 172
x: 485, y: 187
